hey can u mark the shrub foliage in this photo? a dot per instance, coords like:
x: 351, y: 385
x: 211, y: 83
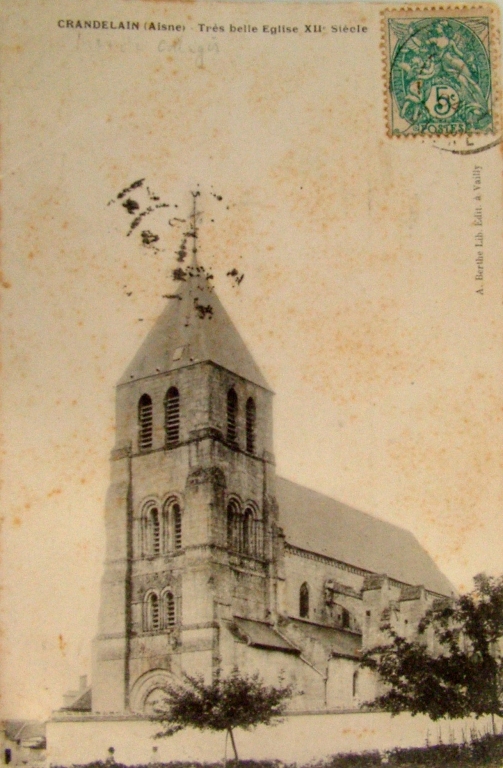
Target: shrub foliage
x: 237, y: 701
x: 464, y: 676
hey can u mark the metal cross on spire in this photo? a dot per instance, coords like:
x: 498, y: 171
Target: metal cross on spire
x: 193, y: 226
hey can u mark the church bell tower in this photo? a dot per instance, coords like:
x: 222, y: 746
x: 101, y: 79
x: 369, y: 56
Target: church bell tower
x: 191, y: 517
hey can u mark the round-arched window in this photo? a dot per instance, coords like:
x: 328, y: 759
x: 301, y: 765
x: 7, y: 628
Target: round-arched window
x: 232, y: 416
x: 304, y: 601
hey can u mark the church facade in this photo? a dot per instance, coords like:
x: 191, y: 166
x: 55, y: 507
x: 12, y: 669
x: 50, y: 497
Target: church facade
x: 212, y: 560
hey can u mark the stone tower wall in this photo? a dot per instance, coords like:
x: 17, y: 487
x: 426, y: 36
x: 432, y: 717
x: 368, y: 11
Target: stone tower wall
x: 202, y: 473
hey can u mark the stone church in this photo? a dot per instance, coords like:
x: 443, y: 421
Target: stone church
x: 212, y: 560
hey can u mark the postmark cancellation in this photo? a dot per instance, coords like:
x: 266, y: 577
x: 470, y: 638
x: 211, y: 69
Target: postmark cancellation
x: 441, y: 69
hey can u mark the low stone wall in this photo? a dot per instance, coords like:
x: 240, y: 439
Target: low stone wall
x: 299, y: 738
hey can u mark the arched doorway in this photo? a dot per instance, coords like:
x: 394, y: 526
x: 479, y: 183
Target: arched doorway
x: 148, y: 692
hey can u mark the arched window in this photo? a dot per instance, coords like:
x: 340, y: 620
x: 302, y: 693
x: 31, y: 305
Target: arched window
x: 251, y: 416
x: 172, y: 416
x: 259, y: 538
x: 145, y: 423
x: 172, y: 520
x: 152, y: 613
x: 232, y: 416
x: 155, y: 531
x: 169, y: 609
x: 152, y: 529
x: 177, y: 525
x: 230, y: 524
x: 233, y: 525
x: 345, y: 618
x: 355, y: 683
x: 248, y: 531
x: 304, y: 601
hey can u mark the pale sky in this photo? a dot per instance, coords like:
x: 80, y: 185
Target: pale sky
x: 358, y: 301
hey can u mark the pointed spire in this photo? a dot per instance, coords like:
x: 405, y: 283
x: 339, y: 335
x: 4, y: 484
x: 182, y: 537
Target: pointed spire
x: 194, y: 233
x: 194, y: 328
x: 195, y: 288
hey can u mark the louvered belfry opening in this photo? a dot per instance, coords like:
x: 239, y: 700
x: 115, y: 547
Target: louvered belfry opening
x: 153, y: 612
x: 232, y: 416
x: 172, y: 416
x: 251, y: 417
x: 145, y: 423
x: 169, y: 610
x: 177, y: 525
x: 156, y: 531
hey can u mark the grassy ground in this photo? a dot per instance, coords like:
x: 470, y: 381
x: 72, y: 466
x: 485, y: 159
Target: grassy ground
x: 486, y: 752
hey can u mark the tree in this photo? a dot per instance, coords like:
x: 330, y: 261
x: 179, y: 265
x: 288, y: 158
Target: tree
x: 464, y: 676
x: 238, y: 701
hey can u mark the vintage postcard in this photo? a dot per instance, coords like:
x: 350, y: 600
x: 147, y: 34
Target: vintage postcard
x: 252, y: 349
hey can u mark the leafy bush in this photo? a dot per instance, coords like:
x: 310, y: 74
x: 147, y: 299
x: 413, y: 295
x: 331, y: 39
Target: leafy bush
x: 483, y: 752
x: 351, y: 760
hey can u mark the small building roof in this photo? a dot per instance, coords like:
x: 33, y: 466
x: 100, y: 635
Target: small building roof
x: 193, y: 328
x: 317, y: 523
x: 30, y: 733
x: 82, y: 703
x: 12, y: 728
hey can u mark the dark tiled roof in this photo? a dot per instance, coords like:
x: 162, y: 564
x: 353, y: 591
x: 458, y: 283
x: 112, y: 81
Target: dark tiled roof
x: 319, y: 524
x: 338, y: 642
x: 187, y: 332
x: 261, y: 635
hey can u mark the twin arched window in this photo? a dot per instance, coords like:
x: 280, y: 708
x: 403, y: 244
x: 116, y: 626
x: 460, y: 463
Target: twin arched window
x: 304, y: 601
x: 161, y: 531
x: 244, y: 530
x: 171, y: 419
x: 159, y: 613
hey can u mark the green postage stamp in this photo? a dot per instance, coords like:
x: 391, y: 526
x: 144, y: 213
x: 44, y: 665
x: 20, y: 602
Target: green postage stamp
x: 441, y: 70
